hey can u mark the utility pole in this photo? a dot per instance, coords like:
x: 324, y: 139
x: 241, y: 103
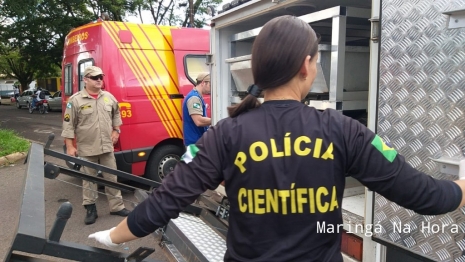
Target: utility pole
x: 191, y: 12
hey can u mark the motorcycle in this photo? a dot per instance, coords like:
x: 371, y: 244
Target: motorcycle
x: 41, y: 106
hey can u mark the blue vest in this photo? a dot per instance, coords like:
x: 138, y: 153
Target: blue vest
x: 192, y: 133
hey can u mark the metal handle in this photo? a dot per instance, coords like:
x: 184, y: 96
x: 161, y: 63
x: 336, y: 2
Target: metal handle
x: 63, y: 214
x: 452, y: 166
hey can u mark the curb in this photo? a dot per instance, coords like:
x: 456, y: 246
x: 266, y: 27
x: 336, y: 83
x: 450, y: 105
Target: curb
x: 12, y: 158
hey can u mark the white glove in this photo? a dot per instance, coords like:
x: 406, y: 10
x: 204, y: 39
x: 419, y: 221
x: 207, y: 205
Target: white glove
x: 103, y: 237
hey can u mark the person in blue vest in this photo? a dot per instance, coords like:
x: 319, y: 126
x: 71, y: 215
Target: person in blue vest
x: 194, y: 110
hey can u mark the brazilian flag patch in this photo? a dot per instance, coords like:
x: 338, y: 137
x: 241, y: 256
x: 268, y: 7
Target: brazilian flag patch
x: 385, y: 148
x: 191, y: 152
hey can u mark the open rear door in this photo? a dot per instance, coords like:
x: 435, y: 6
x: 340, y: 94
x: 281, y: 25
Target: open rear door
x: 424, y: 100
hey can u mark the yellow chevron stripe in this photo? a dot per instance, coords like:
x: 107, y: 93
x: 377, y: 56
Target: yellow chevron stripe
x: 168, y: 62
x: 129, y: 61
x: 145, y: 82
x: 112, y: 31
x: 160, y: 81
x: 143, y: 65
x: 163, y: 83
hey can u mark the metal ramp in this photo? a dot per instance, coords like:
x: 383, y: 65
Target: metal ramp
x: 195, y: 239
x: 30, y: 236
x: 198, y: 234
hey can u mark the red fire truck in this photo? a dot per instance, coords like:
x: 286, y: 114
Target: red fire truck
x: 149, y: 69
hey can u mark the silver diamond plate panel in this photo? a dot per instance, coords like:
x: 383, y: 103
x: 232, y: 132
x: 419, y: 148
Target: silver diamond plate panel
x: 207, y: 241
x: 421, y: 112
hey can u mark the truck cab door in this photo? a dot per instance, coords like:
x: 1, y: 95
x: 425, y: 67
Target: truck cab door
x: 190, y: 46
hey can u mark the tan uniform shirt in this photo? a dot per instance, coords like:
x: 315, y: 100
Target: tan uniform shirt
x: 91, y: 122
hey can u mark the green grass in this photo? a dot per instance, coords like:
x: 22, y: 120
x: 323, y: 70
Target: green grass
x: 10, y: 142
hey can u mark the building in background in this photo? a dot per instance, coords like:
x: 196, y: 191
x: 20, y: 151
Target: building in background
x: 52, y: 84
x: 7, y: 86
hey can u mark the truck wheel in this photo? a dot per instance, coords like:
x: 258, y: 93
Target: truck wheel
x: 162, y: 162
x: 18, y: 105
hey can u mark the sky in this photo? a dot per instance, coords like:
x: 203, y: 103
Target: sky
x: 147, y: 17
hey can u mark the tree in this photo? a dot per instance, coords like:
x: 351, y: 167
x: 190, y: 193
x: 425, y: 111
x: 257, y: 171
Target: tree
x: 170, y: 12
x: 34, y: 34
x: 14, y: 64
x: 116, y: 9
x: 161, y: 11
x: 199, y: 12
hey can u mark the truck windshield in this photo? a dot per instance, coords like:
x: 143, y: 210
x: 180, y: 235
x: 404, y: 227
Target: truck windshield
x: 194, y: 65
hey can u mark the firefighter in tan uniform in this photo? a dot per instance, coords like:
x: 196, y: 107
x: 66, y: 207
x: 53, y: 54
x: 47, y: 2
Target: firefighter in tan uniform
x: 92, y: 117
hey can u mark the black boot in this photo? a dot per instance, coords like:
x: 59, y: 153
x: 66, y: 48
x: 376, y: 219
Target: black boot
x: 123, y: 212
x: 91, y: 215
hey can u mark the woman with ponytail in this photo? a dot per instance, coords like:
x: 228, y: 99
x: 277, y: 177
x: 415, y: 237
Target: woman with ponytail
x: 285, y: 164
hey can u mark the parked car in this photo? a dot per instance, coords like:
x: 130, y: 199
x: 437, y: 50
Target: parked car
x: 26, y: 97
x: 9, y: 94
x: 54, y: 102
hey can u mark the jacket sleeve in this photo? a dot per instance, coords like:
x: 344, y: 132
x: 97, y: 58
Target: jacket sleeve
x: 380, y: 168
x: 198, y: 170
x: 116, y: 118
x: 69, y: 119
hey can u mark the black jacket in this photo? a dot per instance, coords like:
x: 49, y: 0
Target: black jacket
x: 285, y: 165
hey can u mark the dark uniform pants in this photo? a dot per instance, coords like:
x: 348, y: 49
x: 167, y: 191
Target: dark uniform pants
x: 89, y: 191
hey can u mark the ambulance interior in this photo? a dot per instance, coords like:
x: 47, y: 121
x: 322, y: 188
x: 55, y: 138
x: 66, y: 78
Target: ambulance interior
x: 343, y: 77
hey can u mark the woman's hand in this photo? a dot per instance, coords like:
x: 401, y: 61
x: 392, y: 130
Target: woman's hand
x: 103, y: 237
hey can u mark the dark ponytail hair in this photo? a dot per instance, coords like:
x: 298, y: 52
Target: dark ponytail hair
x: 277, y: 56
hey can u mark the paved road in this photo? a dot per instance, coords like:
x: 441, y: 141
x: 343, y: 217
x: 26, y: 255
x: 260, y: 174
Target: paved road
x: 36, y: 127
